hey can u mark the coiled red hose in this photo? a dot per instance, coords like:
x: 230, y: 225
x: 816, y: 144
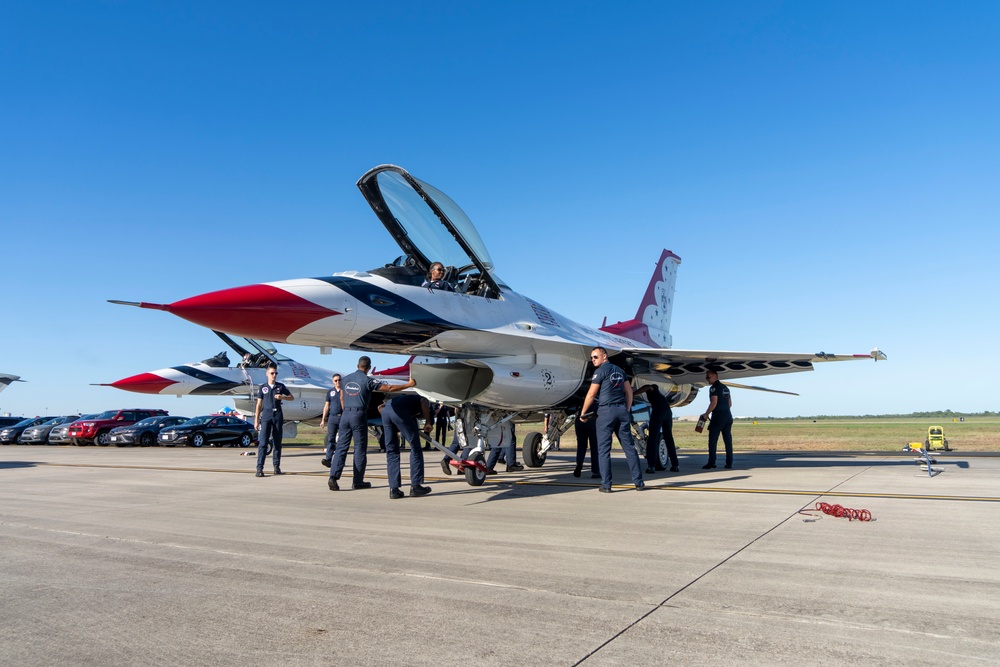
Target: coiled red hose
x: 840, y: 511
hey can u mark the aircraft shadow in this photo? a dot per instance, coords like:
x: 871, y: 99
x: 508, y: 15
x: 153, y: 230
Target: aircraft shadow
x: 17, y: 464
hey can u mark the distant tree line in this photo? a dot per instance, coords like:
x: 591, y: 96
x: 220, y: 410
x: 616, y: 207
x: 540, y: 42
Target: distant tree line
x: 936, y: 414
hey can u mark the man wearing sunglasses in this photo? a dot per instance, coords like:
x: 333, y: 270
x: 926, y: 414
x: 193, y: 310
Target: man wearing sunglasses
x: 331, y: 419
x: 613, y: 392
x: 268, y: 418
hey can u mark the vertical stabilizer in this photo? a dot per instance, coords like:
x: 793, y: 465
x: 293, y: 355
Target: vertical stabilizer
x: 651, y: 324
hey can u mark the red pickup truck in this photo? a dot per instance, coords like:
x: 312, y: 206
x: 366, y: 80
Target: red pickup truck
x: 95, y: 430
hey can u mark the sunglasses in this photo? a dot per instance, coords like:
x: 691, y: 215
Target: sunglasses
x: 594, y: 356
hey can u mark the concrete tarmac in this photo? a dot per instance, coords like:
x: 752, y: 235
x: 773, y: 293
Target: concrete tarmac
x: 181, y: 556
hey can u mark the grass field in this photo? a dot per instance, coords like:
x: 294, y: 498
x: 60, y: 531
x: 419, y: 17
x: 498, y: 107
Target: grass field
x: 976, y: 434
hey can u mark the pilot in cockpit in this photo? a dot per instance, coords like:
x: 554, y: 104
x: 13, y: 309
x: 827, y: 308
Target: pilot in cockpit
x: 435, y: 278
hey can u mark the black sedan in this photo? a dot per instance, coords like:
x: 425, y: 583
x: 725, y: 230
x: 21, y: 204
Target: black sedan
x: 211, y: 429
x: 10, y: 434
x: 39, y: 434
x: 143, y: 433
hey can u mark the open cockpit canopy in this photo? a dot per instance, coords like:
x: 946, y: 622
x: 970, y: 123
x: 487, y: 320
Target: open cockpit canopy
x: 253, y: 353
x: 429, y: 227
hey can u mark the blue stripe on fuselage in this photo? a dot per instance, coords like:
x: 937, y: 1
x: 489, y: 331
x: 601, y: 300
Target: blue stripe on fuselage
x: 414, y: 324
x: 215, y: 383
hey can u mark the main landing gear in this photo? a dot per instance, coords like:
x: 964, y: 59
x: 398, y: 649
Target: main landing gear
x: 536, y: 445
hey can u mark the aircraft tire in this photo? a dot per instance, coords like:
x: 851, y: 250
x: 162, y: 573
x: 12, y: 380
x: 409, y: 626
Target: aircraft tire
x: 531, y: 450
x: 475, y: 476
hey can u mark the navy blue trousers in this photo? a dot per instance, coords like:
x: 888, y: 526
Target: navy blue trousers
x: 506, y: 447
x: 586, y: 435
x: 724, y: 427
x: 394, y: 425
x: 269, y: 428
x: 660, y: 421
x: 353, y: 424
x: 332, y: 429
x: 615, y: 419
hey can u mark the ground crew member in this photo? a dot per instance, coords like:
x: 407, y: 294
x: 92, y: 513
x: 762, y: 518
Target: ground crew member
x: 586, y: 436
x: 355, y: 392
x: 400, y: 416
x: 721, y: 410
x: 508, y: 448
x: 613, y: 392
x: 268, y: 418
x: 661, y: 419
x: 442, y: 422
x: 331, y: 419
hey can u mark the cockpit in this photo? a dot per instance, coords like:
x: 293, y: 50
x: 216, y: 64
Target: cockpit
x: 252, y: 353
x: 429, y: 227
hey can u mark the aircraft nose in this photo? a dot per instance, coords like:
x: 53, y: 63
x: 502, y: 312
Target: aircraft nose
x: 255, y: 311
x: 144, y: 383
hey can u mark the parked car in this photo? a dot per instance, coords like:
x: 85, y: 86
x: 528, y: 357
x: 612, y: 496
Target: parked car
x: 39, y: 435
x: 143, y: 433
x: 10, y: 434
x: 59, y: 435
x: 210, y: 429
x: 97, y: 430
x: 9, y: 421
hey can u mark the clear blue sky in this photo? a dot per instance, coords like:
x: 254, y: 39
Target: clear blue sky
x: 827, y: 171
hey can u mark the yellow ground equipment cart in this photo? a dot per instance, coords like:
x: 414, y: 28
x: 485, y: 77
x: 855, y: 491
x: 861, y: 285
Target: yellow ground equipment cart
x: 935, y: 439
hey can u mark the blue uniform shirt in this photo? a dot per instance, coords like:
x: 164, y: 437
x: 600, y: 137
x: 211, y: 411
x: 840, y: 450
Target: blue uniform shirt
x: 657, y: 401
x: 439, y: 285
x: 406, y: 405
x: 612, y: 382
x: 358, y: 388
x: 720, y: 391
x: 271, y: 408
x: 333, y: 398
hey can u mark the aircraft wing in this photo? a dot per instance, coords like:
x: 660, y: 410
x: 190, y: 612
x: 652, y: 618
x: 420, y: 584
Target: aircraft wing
x: 7, y: 378
x: 689, y: 366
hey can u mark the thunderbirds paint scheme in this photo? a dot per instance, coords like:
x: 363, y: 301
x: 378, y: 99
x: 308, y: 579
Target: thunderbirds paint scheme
x: 493, y: 351
x: 215, y: 377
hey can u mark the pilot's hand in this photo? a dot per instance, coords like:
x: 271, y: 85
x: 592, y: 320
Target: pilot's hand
x: 583, y: 418
x: 256, y: 426
x: 322, y: 423
x: 427, y: 427
x: 411, y: 383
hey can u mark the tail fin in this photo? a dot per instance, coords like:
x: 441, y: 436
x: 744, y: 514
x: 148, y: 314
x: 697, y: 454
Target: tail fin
x: 651, y: 324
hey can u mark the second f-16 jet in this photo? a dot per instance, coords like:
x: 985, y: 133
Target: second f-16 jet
x: 485, y: 348
x: 216, y: 377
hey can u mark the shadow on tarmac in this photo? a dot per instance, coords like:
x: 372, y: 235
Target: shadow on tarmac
x: 17, y: 464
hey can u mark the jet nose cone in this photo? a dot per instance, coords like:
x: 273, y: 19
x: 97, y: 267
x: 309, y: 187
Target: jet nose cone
x: 143, y: 383
x: 254, y: 311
